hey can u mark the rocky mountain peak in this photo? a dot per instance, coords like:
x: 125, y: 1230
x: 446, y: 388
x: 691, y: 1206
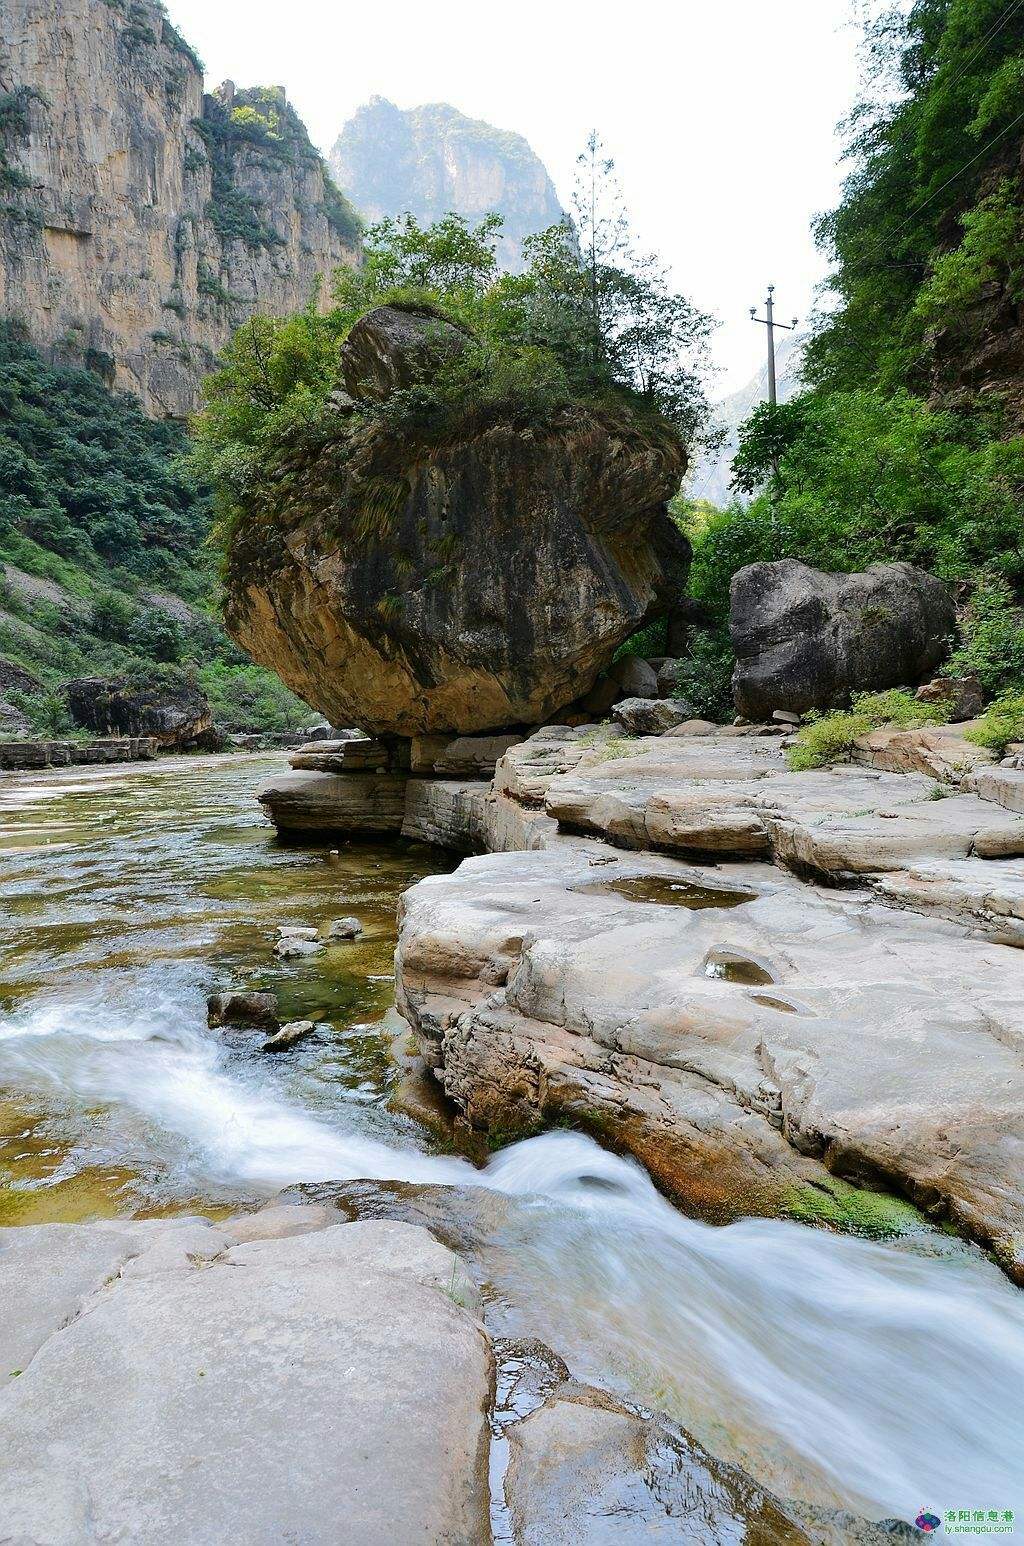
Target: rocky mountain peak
x: 431, y: 160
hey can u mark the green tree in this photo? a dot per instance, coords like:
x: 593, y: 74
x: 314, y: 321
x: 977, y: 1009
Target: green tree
x: 930, y: 145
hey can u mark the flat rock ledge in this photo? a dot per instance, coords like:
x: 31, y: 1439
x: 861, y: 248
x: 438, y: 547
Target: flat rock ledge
x: 844, y: 1024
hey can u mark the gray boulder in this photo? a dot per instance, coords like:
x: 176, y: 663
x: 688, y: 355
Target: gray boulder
x: 238, y: 1007
x: 651, y: 716
x: 288, y: 1035
x: 396, y: 347
x: 345, y: 928
x: 668, y: 677
x: 635, y: 678
x: 807, y: 640
x: 176, y: 714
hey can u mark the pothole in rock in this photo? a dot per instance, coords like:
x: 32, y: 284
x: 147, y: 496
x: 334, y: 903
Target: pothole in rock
x: 729, y: 966
x: 670, y: 892
x: 770, y: 1002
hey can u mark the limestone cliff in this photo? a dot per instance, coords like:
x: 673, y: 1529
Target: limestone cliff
x: 140, y: 220
x: 430, y: 160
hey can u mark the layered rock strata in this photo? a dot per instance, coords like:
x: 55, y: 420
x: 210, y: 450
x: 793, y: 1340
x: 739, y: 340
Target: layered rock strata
x: 762, y: 1044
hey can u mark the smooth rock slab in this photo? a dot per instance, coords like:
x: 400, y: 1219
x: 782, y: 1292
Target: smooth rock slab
x: 845, y: 821
x: 843, y: 1038
x: 318, y: 1389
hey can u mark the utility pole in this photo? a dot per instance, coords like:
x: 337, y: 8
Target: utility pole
x: 770, y: 323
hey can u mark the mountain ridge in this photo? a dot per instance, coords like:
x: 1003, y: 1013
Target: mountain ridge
x: 433, y: 159
x: 141, y: 217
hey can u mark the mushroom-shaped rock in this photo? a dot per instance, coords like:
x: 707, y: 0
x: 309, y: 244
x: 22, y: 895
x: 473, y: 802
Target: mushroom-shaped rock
x: 460, y: 579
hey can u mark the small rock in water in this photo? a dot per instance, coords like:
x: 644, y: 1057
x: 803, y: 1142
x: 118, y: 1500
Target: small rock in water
x: 246, y: 1009
x: 295, y: 931
x: 288, y: 1035
x: 289, y: 949
x: 345, y: 928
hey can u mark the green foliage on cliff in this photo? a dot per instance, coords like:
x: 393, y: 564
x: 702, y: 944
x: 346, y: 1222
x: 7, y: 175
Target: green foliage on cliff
x: 262, y: 118
x: 861, y: 477
x: 902, y: 448
x: 934, y: 153
x: 85, y: 474
x: 96, y: 507
x: 14, y: 129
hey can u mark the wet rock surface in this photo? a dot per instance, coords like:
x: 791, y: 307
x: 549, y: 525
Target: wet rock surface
x: 858, y: 1043
x: 344, y: 1339
x: 239, y: 1007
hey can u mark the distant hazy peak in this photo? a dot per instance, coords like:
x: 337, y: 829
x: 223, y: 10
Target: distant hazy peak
x: 431, y: 160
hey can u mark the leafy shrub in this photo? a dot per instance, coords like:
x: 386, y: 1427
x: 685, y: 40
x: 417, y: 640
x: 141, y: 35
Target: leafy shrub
x: 156, y: 634
x: 244, y: 698
x: 990, y: 250
x: 992, y: 639
x: 830, y: 738
x: 827, y: 740
x: 1001, y: 724
x: 113, y: 616
x: 47, y: 713
x: 704, y: 675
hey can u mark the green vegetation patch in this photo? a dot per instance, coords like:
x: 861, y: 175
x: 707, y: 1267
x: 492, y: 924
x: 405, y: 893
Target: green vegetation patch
x: 97, y: 515
x: 1001, y: 725
x: 830, y: 738
x: 839, y: 1205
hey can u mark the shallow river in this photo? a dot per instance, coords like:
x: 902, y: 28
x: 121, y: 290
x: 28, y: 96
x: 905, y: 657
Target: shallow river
x: 883, y: 1376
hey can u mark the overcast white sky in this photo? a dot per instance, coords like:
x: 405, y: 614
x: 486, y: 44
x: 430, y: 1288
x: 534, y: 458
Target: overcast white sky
x: 720, y: 113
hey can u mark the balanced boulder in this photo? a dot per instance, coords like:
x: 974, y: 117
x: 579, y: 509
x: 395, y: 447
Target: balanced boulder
x: 807, y: 640
x: 467, y: 578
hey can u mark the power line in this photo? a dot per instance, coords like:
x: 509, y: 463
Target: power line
x: 993, y: 31
x: 982, y: 152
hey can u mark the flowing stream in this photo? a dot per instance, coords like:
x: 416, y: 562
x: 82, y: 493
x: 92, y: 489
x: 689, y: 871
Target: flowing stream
x: 886, y: 1377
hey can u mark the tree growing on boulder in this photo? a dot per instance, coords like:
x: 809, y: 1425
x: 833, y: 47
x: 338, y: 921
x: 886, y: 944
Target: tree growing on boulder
x: 589, y: 321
